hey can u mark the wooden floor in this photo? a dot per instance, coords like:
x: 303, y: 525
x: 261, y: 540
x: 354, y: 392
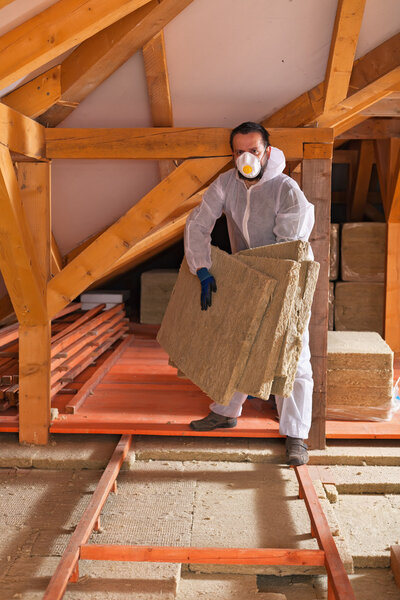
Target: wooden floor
x: 141, y: 394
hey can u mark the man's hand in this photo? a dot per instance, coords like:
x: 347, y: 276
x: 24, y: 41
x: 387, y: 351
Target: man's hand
x: 208, y: 286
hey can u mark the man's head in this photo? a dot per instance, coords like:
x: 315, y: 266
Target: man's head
x: 252, y: 138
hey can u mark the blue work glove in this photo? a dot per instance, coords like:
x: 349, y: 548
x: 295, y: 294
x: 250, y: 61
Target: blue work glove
x: 208, y: 285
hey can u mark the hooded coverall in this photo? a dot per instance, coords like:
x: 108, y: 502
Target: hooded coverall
x: 272, y: 210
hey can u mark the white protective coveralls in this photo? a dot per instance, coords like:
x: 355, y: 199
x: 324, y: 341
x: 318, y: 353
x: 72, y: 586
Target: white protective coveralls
x: 272, y: 210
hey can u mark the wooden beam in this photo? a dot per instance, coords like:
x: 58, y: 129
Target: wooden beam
x: 35, y: 97
x: 5, y: 2
x: 308, y: 107
x: 376, y: 63
x: 365, y: 162
x: 21, y: 134
x: 97, y: 58
x: 392, y: 284
x: 372, y: 129
x: 388, y: 107
x: 155, y: 65
x: 354, y: 104
x: 168, y: 142
x: 349, y: 16
x: 149, y: 212
x: 54, y: 31
x: 18, y: 262
x: 317, y: 189
x: 34, y: 340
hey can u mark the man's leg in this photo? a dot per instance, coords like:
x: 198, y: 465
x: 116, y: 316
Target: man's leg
x: 221, y: 416
x: 296, y: 410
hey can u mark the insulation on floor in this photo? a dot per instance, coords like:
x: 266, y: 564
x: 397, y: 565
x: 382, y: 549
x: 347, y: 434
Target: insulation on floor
x: 359, y: 376
x: 155, y: 291
x: 359, y: 306
x: 363, y: 250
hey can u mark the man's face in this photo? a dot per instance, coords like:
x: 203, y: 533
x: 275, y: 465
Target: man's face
x: 253, y: 143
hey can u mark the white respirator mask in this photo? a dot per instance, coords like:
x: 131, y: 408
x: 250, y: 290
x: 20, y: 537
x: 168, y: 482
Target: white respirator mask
x: 249, y: 165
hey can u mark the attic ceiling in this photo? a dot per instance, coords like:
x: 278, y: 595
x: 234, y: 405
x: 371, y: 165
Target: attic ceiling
x: 227, y: 61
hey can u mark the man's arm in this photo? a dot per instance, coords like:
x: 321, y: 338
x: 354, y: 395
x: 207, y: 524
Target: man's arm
x: 295, y: 215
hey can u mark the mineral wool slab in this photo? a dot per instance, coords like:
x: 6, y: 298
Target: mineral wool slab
x: 259, y: 372
x: 358, y: 350
x: 212, y: 346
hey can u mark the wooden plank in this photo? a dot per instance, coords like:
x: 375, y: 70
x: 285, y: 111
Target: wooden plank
x: 155, y: 65
x: 98, y: 57
x: 35, y: 97
x: 307, y: 108
x: 18, y: 261
x: 216, y: 556
x: 318, y: 151
x: 365, y: 162
x: 97, y: 376
x: 89, y: 314
x: 392, y: 298
x: 21, y: 134
x: 167, y: 142
x: 317, y: 189
x: 54, y: 31
x: 34, y: 340
x: 149, y: 212
x: 395, y: 563
x: 338, y: 579
x: 349, y: 16
x: 58, y: 583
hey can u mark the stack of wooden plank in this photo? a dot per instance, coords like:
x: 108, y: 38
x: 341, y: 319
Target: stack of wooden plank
x: 250, y: 339
x: 78, y: 339
x: 360, y: 376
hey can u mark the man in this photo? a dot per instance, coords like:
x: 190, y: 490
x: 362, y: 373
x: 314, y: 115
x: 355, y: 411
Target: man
x: 262, y: 206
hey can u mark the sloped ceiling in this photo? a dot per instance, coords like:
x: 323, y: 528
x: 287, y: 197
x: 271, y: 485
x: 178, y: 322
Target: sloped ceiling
x: 228, y: 61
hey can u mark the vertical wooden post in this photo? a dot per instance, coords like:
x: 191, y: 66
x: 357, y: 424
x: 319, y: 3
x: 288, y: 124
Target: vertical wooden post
x: 34, y: 340
x: 317, y: 188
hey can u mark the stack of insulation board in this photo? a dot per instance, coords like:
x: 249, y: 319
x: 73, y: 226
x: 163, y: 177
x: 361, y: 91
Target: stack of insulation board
x: 250, y: 339
x: 155, y: 291
x: 359, y: 298
x: 360, y: 376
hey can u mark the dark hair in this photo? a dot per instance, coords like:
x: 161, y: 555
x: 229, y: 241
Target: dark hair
x: 249, y: 127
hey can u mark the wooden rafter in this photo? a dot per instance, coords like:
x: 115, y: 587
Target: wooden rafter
x: 18, y: 262
x: 149, y: 212
x: 308, y: 107
x: 21, y: 134
x: 365, y: 162
x: 155, y: 65
x: 168, y: 142
x: 347, y: 27
x: 54, y: 31
x: 388, y: 107
x: 372, y: 129
x: 98, y: 57
x: 343, y: 113
x: 35, y: 97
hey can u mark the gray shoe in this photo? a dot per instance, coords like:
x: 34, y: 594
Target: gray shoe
x: 213, y: 421
x: 296, y: 452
